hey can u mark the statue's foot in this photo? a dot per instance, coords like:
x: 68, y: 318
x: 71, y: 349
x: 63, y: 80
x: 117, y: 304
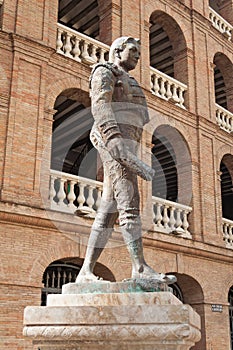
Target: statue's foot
x: 146, y: 272
x: 88, y: 277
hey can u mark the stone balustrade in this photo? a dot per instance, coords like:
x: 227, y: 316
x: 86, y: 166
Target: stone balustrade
x: 70, y: 193
x: 224, y: 118
x: 170, y: 217
x: 227, y: 226
x: 220, y: 23
x: 167, y: 87
x: 80, y: 47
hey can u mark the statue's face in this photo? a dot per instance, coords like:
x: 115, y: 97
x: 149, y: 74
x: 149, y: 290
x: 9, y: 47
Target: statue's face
x: 129, y: 56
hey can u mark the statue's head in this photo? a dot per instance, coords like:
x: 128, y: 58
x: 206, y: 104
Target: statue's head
x: 125, y: 51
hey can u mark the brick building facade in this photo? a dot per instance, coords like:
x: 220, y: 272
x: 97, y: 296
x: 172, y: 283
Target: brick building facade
x: 51, y: 176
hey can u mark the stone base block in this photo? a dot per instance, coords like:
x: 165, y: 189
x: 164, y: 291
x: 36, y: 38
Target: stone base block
x: 112, y: 321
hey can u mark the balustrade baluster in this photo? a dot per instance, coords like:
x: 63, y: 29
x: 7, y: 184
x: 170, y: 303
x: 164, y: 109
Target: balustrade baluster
x: 86, y: 58
x: 228, y: 125
x: 218, y: 117
x: 99, y: 195
x: 181, y: 97
x: 185, y: 223
x: 165, y: 216
x: 156, y: 85
x: 61, y: 195
x: 172, y: 220
x: 76, y: 49
x: 68, y: 46
x: 93, y: 53
x: 162, y: 88
x: 225, y: 233
x: 158, y: 216
x: 59, y: 42
x: 101, y: 54
x: 81, y: 198
x: 71, y: 196
x: 90, y: 199
x: 178, y: 221
x: 152, y: 83
x: 52, y: 192
x: 169, y: 92
x: 174, y: 94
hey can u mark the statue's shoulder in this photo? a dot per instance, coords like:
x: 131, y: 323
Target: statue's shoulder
x: 105, y: 69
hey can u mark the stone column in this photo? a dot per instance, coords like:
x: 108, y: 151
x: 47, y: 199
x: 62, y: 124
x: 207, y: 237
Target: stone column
x: 112, y: 316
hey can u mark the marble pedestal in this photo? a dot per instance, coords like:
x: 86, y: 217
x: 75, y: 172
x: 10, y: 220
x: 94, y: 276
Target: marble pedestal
x: 114, y: 316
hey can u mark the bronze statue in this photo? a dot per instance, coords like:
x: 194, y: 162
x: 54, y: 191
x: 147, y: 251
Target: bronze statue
x: 120, y: 111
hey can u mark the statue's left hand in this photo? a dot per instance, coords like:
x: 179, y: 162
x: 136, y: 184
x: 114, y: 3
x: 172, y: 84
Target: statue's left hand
x: 117, y: 148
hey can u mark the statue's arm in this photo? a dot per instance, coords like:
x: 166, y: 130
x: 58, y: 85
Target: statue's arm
x: 102, y: 86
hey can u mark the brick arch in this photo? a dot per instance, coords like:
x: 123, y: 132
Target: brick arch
x: 157, y: 119
x: 56, y: 87
x: 221, y: 152
x: 61, y: 250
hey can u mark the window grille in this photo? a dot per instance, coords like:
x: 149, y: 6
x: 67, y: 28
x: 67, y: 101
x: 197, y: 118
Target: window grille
x: 55, y: 276
x: 177, y: 292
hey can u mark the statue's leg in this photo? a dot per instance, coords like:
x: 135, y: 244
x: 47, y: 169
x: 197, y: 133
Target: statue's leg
x: 127, y: 198
x: 100, y: 233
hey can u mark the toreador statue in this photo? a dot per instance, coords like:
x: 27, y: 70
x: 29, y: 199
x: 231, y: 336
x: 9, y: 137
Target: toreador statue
x: 120, y: 111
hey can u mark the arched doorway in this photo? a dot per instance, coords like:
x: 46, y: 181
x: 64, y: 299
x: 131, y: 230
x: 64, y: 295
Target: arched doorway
x: 192, y: 294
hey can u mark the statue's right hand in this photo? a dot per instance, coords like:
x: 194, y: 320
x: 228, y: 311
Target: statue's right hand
x: 117, y: 148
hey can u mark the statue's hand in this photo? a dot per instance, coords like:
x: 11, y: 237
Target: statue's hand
x: 117, y: 148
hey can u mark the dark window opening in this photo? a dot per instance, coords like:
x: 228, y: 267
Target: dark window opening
x: 165, y: 182
x: 226, y: 192
x: 72, y: 150
x: 220, y: 89
x: 81, y: 15
x: 161, y: 50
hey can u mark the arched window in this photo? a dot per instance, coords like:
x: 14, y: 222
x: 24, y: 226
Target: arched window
x: 161, y: 50
x: 226, y: 169
x: 72, y: 150
x: 172, y: 163
x: 230, y: 300
x: 220, y: 88
x: 164, y: 184
x: 223, y: 85
x: 57, y: 274
x: 167, y: 46
x: 81, y: 15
